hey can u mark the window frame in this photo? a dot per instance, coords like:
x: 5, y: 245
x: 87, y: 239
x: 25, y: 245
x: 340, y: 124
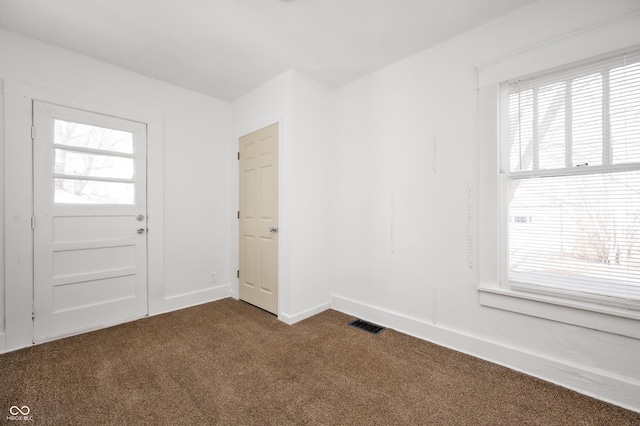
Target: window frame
x: 586, y: 45
x: 551, y: 76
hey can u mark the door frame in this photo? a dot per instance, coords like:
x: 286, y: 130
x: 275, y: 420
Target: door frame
x: 283, y: 234
x: 18, y: 189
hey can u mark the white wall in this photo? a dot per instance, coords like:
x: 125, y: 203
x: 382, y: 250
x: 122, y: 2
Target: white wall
x: 310, y: 199
x: 300, y: 105
x: 420, y: 280
x: 195, y: 135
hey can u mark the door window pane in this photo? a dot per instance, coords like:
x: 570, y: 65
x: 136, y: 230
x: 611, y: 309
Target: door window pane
x: 82, y: 164
x: 76, y: 191
x: 86, y: 136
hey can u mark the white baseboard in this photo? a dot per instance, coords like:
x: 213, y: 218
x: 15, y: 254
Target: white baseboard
x: 3, y: 345
x: 600, y: 384
x: 194, y: 298
x: 292, y: 319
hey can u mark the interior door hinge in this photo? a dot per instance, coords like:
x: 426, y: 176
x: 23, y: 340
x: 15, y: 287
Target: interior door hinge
x: 238, y: 273
x: 33, y: 222
x: 238, y: 214
x: 238, y: 155
x: 33, y: 132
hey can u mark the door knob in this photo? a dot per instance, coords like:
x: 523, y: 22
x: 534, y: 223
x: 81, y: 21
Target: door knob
x: 273, y: 229
x: 141, y: 231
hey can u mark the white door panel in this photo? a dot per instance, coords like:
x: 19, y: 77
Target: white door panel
x: 259, y: 218
x: 89, y: 203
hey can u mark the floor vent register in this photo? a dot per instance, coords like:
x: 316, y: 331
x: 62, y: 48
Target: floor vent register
x: 366, y: 326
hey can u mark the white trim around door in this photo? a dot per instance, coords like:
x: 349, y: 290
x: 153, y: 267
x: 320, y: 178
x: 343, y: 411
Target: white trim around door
x: 18, y: 187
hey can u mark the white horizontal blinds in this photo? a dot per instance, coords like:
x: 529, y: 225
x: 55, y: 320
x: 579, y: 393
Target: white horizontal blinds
x: 574, y: 180
x: 521, y: 129
x: 551, y: 126
x: 579, y: 232
x: 587, y: 120
x: 586, y: 115
x: 625, y: 113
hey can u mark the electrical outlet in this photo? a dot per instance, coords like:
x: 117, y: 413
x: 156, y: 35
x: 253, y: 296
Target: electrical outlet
x: 213, y: 277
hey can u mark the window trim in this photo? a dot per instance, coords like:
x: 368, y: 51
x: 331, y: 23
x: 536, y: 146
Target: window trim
x: 596, y: 317
x: 620, y: 35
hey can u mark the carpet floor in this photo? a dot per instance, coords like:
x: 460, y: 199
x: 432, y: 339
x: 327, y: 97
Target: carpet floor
x: 229, y: 363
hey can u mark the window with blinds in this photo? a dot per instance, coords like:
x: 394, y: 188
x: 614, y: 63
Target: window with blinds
x: 572, y: 188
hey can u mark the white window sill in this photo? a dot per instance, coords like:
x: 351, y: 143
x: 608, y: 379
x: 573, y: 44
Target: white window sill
x: 609, y: 319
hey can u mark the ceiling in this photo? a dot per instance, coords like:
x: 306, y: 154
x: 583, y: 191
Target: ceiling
x: 226, y: 48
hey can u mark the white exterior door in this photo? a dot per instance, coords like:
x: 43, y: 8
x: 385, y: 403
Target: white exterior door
x: 89, y: 221
x: 259, y: 218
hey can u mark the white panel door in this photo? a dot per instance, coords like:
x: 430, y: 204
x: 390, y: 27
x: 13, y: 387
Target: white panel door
x: 89, y: 221
x: 259, y: 218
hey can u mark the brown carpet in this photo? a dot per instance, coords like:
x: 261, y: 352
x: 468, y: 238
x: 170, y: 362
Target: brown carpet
x: 230, y: 363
